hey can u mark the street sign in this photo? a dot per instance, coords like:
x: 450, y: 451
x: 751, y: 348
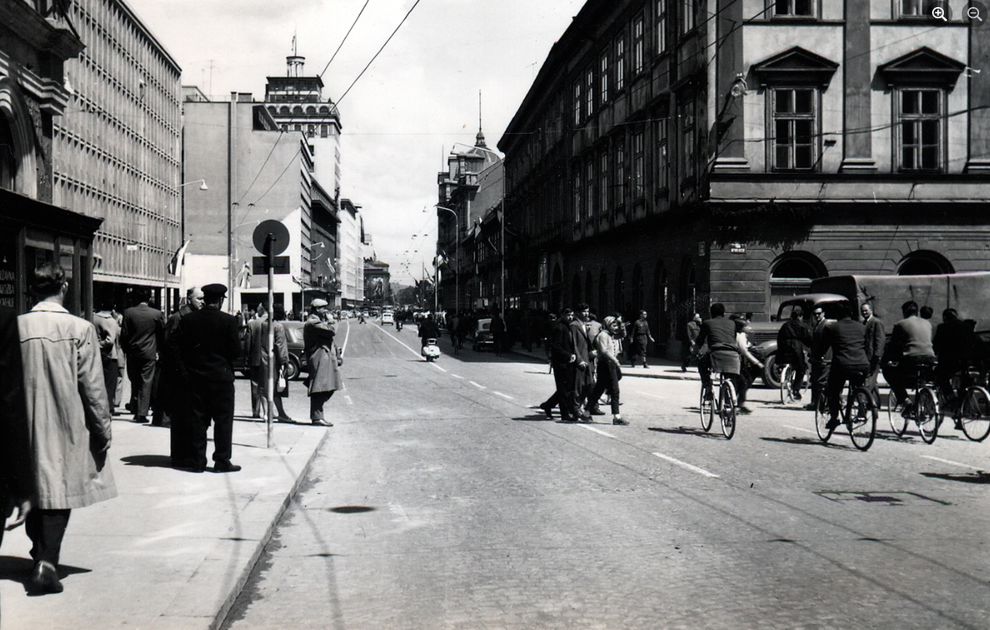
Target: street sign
x: 280, y: 236
x: 280, y: 266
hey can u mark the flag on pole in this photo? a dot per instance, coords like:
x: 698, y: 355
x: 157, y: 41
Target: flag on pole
x: 176, y: 262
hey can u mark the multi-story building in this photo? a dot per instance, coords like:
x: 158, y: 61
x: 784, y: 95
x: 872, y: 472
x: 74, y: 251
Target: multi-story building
x: 674, y: 153
x: 350, y: 248
x: 37, y: 40
x: 116, y: 148
x: 469, y: 191
x: 256, y: 173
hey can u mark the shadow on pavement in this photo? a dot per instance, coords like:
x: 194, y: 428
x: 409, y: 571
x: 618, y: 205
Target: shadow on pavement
x: 534, y: 417
x: 688, y: 431
x: 978, y: 477
x: 19, y: 570
x: 795, y: 440
x: 352, y: 509
x: 148, y: 461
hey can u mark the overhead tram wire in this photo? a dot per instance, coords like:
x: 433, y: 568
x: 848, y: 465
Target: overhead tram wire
x: 334, y: 56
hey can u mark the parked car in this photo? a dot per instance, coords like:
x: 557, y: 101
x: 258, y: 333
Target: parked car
x: 387, y: 318
x: 294, y: 341
x: 483, y: 338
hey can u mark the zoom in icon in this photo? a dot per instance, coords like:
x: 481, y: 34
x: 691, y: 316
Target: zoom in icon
x: 939, y: 11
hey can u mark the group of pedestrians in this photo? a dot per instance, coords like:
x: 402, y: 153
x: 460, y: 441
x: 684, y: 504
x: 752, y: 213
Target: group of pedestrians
x: 584, y: 358
x: 58, y: 380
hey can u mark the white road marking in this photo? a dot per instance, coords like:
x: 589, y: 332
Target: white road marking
x: 652, y: 395
x: 700, y: 471
x: 438, y: 367
x: 348, y: 399
x: 505, y: 396
x: 477, y: 385
x: 347, y: 334
x: 598, y: 431
x: 457, y: 376
x: 947, y: 461
x: 400, y: 341
x: 787, y: 426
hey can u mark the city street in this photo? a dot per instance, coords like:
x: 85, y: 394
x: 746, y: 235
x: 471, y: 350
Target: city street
x: 443, y: 499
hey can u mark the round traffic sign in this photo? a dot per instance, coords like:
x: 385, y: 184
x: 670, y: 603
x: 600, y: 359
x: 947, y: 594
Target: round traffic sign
x: 279, y: 233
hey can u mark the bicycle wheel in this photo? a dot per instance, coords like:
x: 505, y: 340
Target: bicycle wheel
x: 926, y: 414
x: 975, y: 411
x: 727, y: 408
x: 898, y: 423
x: 821, y: 419
x: 707, y: 406
x: 859, y: 418
x: 786, y: 378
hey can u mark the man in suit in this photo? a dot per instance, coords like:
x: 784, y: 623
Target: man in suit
x: 173, y: 410
x: 875, y: 340
x: 208, y: 343
x: 793, y: 340
x: 141, y: 335
x: 563, y: 364
x: 257, y: 346
x: 583, y: 380
x: 847, y: 340
x: 109, y: 333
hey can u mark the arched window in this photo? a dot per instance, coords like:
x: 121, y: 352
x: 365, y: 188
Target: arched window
x: 603, y: 293
x: 620, y: 291
x: 8, y: 161
x: 575, y: 291
x: 924, y: 263
x: 791, y: 274
x: 324, y: 109
x: 297, y: 110
x: 638, y: 297
x: 311, y: 111
x: 284, y: 110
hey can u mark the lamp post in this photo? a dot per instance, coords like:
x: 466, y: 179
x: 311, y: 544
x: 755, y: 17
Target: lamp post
x: 457, y: 257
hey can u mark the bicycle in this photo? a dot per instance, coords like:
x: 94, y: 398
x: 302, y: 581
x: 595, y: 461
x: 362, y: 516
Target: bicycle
x: 971, y: 411
x: 857, y: 408
x: 923, y: 408
x: 724, y: 404
x: 787, y: 373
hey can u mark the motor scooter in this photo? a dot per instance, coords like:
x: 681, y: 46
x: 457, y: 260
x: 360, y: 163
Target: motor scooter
x: 430, y: 349
x: 398, y: 325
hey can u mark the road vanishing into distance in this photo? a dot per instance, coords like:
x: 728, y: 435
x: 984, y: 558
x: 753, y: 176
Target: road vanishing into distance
x: 443, y: 499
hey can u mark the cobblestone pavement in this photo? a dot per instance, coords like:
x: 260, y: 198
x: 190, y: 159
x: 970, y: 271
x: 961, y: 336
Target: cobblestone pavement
x: 442, y: 500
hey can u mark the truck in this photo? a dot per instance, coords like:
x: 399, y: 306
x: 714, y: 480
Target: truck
x: 968, y: 293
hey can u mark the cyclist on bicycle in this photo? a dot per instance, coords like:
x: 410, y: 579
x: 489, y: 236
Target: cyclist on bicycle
x: 793, y: 341
x: 749, y: 366
x: 847, y: 340
x: 957, y: 348
x: 719, y: 333
x: 909, y: 348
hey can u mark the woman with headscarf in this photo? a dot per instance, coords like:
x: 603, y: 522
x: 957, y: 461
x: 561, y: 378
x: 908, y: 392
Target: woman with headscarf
x: 609, y: 372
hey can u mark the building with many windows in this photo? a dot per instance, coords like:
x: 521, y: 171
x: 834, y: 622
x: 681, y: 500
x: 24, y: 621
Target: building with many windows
x: 116, y: 149
x: 672, y: 153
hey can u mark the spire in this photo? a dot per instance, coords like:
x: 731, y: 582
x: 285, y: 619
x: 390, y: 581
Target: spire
x: 479, y: 141
x: 294, y: 63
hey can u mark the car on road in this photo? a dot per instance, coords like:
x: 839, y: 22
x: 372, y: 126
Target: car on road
x: 296, y: 347
x: 388, y: 318
x: 483, y: 338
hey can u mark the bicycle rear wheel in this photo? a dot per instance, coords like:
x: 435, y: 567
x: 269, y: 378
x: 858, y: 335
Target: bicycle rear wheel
x: 786, y: 378
x: 975, y: 411
x: 821, y: 419
x: 727, y: 408
x: 926, y: 414
x: 707, y: 406
x: 898, y: 423
x: 859, y: 418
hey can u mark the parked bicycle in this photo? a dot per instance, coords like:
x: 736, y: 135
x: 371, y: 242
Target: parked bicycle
x: 856, y: 408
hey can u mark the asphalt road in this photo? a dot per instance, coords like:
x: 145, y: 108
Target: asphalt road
x: 444, y: 500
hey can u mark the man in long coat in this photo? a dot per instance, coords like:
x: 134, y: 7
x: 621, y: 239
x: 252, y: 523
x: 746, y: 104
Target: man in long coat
x: 141, y: 336
x: 208, y: 343
x: 68, y: 416
x: 321, y: 356
x: 563, y: 365
x: 173, y: 409
x: 582, y: 376
x: 258, y: 360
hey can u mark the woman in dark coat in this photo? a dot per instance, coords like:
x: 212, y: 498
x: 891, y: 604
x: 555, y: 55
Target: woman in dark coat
x: 321, y: 357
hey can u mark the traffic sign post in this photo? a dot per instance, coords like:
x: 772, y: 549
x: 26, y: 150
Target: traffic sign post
x: 270, y: 239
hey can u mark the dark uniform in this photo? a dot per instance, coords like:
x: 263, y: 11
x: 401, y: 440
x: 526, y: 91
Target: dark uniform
x: 208, y: 343
x: 15, y: 453
x: 173, y: 409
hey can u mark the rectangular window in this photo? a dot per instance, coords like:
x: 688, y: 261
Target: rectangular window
x: 604, y: 77
x: 689, y: 143
x: 590, y: 184
x: 662, y: 164
x: 577, y: 103
x: 577, y: 194
x: 620, y: 63
x: 620, y: 172
x: 794, y: 124
x: 912, y: 8
x: 589, y: 96
x: 689, y: 12
x: 604, y: 190
x: 794, y: 8
x: 920, y: 130
x: 661, y: 26
x: 638, y: 46
x: 639, y: 164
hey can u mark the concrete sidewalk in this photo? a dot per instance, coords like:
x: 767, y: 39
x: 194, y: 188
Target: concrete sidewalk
x: 173, y: 550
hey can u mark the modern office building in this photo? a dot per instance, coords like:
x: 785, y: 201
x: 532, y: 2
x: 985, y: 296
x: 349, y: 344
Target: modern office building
x: 671, y: 154
x: 117, y: 151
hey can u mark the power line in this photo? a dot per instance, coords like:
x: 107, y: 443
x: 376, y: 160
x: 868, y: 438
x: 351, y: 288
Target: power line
x: 416, y: 4
x: 334, y: 56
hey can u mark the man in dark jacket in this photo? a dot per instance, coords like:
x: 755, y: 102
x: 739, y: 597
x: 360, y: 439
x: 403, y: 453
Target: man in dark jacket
x: 847, y: 340
x: 141, y: 336
x: 957, y: 347
x: 563, y: 360
x: 910, y: 347
x: 875, y: 340
x: 15, y: 453
x: 793, y: 340
x: 692, y: 330
x: 173, y: 408
x: 719, y: 333
x: 208, y: 343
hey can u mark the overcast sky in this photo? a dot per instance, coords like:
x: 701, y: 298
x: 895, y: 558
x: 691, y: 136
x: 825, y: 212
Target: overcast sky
x: 418, y: 98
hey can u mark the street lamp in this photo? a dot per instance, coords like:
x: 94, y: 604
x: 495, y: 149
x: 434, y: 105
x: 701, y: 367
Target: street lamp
x: 202, y: 183
x: 457, y: 256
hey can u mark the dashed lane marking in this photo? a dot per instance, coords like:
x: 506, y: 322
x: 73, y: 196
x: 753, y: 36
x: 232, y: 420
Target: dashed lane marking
x: 651, y: 395
x: 598, y: 431
x: 802, y: 429
x: 400, y: 341
x: 457, y: 376
x: 505, y: 396
x: 700, y: 471
x: 949, y: 461
x: 348, y: 399
x: 477, y: 385
x: 439, y: 368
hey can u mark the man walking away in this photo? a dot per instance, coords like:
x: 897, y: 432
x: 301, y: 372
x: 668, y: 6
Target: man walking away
x: 174, y: 410
x: 141, y: 335
x: 910, y: 347
x: 108, y: 331
x: 847, y: 339
x: 208, y: 343
x: 793, y: 341
x: 68, y: 416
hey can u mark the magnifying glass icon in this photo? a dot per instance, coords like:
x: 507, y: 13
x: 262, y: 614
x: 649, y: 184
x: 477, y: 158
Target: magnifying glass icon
x: 939, y: 13
x: 973, y: 13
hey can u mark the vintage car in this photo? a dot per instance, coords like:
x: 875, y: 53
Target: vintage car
x: 482, y: 338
